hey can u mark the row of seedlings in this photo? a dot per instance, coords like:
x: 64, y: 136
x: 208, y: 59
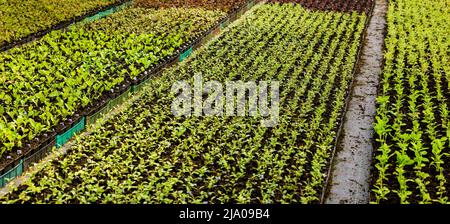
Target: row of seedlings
x: 103, y: 106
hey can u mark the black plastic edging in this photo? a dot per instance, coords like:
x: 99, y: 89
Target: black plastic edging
x: 60, y: 139
x: 58, y: 26
x: 38, y: 156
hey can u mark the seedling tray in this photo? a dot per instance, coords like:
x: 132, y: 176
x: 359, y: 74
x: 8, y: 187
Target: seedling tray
x: 38, y: 156
x: 66, y: 136
x: 120, y: 99
x: 11, y: 174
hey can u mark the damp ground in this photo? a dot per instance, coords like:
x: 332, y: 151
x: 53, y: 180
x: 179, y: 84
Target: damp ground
x: 350, y: 174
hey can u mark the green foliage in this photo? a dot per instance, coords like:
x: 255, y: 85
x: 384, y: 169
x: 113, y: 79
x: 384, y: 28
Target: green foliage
x: 50, y: 79
x: 22, y: 18
x: 147, y: 155
x: 412, y: 115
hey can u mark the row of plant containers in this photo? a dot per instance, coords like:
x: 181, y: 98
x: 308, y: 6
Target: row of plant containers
x: 109, y: 101
x: 91, y: 15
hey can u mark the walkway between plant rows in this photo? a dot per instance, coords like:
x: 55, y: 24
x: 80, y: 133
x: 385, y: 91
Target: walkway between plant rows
x: 350, y: 174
